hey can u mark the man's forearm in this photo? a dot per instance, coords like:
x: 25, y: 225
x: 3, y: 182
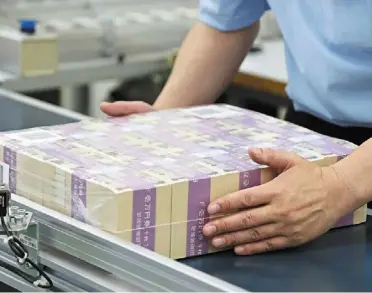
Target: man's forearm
x: 206, y: 63
x: 356, y: 172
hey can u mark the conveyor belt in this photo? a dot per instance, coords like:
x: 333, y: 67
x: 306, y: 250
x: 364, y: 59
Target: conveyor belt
x: 340, y: 260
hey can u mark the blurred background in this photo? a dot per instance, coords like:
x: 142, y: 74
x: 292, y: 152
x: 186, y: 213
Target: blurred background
x: 79, y: 53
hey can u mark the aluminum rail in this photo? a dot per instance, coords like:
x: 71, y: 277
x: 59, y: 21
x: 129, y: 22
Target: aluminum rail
x: 79, y: 257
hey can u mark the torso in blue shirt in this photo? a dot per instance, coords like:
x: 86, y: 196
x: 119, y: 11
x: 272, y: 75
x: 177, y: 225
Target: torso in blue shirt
x: 328, y: 51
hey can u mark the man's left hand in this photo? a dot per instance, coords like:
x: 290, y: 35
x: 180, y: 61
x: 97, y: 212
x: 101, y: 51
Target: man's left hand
x: 299, y: 205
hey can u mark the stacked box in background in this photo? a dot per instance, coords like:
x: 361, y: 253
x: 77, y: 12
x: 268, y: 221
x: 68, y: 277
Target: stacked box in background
x: 28, y: 54
x: 149, y: 178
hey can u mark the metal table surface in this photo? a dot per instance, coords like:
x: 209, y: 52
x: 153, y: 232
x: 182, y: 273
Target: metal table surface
x: 340, y: 260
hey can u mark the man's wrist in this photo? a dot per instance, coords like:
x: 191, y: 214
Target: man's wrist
x: 342, y: 193
x: 352, y: 187
x: 355, y: 171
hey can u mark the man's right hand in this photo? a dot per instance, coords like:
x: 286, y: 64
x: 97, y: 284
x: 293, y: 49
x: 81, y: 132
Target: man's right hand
x: 117, y: 109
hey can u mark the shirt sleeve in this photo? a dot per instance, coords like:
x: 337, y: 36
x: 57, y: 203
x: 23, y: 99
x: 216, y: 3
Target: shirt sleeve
x: 229, y: 15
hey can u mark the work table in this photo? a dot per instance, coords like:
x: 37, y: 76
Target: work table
x: 340, y: 260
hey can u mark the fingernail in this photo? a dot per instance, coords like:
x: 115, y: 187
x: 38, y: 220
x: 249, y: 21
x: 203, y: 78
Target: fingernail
x: 218, y: 242
x: 213, y: 209
x: 239, y: 250
x: 210, y: 230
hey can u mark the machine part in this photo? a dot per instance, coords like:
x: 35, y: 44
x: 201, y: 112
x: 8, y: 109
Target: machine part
x: 22, y: 239
x: 4, y: 200
x: 27, y: 26
x: 30, y: 238
x: 18, y: 219
x: 27, y: 52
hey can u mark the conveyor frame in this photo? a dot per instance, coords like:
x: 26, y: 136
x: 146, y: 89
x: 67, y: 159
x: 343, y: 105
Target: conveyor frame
x: 79, y: 257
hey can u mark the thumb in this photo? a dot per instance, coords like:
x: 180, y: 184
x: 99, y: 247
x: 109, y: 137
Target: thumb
x: 279, y: 160
x: 125, y: 108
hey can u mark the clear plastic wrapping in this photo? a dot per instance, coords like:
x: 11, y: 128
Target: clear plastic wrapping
x: 149, y: 178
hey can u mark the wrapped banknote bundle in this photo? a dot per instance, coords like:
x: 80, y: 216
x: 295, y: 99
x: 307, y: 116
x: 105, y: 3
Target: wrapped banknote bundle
x: 149, y: 178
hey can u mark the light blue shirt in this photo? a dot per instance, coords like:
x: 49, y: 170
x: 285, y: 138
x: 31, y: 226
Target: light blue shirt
x: 328, y: 45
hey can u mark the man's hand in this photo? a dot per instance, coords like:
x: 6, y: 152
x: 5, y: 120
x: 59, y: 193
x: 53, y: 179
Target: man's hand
x: 299, y: 205
x: 125, y: 108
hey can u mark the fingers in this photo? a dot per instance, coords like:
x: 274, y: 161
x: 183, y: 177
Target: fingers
x: 275, y: 159
x: 272, y: 244
x: 243, y: 220
x: 246, y: 198
x: 246, y: 236
x: 125, y: 108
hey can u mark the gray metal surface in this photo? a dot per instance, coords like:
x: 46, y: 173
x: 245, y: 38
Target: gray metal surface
x: 21, y: 112
x: 339, y: 261
x: 86, y: 277
x: 14, y: 281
